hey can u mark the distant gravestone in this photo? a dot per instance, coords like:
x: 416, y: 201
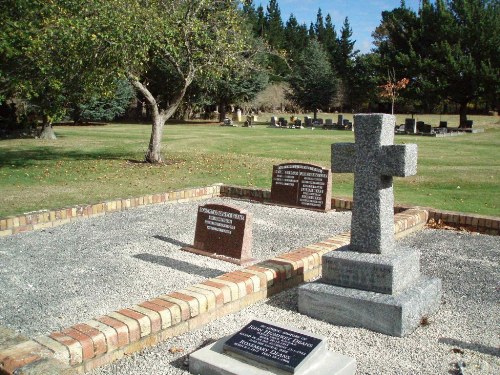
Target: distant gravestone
x: 274, y: 121
x: 223, y: 232
x: 308, y: 121
x: 443, y: 124
x: 329, y: 122
x: 340, y: 120
x: 298, y: 123
x: 302, y: 185
x: 268, y: 348
x: 420, y: 127
x: 410, y: 126
x: 372, y: 283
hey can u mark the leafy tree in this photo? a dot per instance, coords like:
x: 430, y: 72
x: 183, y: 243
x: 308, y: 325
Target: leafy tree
x: 449, y: 50
x: 312, y: 82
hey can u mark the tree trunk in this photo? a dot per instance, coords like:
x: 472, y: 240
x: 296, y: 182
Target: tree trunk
x: 153, y: 155
x: 47, y: 131
x: 463, y: 115
x: 315, y: 114
x: 222, y: 111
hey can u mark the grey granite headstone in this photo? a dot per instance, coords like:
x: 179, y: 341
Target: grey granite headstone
x: 372, y: 283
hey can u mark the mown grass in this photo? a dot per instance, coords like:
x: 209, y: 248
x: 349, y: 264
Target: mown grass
x: 91, y: 164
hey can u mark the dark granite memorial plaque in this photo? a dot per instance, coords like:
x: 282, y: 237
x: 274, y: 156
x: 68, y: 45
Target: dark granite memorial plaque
x: 223, y: 231
x: 302, y: 185
x: 272, y: 345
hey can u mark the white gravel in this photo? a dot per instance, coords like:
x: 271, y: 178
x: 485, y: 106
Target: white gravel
x: 52, y: 279
x: 465, y: 330
x: 56, y: 278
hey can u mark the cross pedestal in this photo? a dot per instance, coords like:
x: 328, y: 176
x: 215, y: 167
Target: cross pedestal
x: 372, y: 283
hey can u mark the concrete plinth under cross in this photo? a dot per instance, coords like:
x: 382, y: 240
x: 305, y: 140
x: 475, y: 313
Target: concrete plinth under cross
x: 372, y: 283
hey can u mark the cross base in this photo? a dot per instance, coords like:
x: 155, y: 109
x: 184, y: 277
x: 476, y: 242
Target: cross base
x: 394, y: 315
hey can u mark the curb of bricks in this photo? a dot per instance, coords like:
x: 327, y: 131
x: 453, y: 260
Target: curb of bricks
x: 52, y: 218
x: 107, y: 338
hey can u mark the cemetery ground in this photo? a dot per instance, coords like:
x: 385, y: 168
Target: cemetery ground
x: 61, y: 276
x: 95, y: 163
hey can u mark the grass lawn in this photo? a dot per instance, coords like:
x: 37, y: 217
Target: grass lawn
x: 96, y: 163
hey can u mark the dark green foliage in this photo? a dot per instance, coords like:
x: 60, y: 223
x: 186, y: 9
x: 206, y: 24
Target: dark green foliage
x: 448, y: 49
x: 312, y: 81
x: 102, y: 108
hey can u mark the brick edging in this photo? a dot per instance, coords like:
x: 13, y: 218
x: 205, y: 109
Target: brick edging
x: 471, y: 222
x: 52, y: 218
x: 96, y: 342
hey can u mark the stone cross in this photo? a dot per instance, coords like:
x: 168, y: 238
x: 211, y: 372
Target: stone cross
x: 374, y: 159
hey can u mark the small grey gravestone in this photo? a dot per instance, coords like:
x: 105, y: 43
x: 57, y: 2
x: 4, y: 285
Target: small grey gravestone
x: 262, y: 348
x: 373, y: 283
x: 223, y: 232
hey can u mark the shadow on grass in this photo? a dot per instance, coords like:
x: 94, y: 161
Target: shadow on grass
x: 23, y: 158
x: 179, y: 265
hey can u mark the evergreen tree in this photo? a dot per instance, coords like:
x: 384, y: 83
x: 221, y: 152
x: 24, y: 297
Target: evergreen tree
x: 449, y: 50
x: 296, y: 37
x: 330, y: 42
x: 260, y: 26
x: 319, y: 27
x: 312, y: 82
x: 274, y: 25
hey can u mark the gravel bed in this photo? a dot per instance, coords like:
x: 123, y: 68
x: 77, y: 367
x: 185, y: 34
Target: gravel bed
x: 52, y: 279
x: 465, y: 330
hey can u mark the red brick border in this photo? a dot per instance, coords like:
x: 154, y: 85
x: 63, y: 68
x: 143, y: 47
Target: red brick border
x: 52, y: 218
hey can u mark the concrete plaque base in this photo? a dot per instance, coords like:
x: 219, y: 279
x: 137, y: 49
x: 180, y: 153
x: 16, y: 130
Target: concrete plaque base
x: 394, y: 315
x: 212, y: 360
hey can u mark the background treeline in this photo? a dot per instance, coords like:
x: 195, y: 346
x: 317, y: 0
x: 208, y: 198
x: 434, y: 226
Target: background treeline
x: 99, y: 60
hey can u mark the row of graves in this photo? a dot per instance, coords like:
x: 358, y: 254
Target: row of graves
x: 309, y: 122
x: 414, y: 127
x: 371, y: 283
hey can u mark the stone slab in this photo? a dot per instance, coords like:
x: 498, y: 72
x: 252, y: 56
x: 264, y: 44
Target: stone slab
x: 211, y: 360
x: 394, y: 315
x: 372, y: 272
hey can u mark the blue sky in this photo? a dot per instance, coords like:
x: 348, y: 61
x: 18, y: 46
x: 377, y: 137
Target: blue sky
x: 364, y: 16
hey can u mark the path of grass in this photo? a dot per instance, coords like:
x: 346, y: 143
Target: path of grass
x: 91, y: 164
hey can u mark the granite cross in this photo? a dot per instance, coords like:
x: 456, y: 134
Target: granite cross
x: 374, y: 159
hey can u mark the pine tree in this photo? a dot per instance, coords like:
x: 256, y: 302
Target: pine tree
x: 274, y: 25
x: 319, y: 27
x: 312, y: 82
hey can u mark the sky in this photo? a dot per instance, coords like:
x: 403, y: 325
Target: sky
x: 364, y: 15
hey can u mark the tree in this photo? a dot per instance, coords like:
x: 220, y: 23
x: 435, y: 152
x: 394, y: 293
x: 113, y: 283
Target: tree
x: 296, y: 37
x: 449, y: 50
x: 105, y: 108
x: 392, y: 87
x: 312, y: 82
